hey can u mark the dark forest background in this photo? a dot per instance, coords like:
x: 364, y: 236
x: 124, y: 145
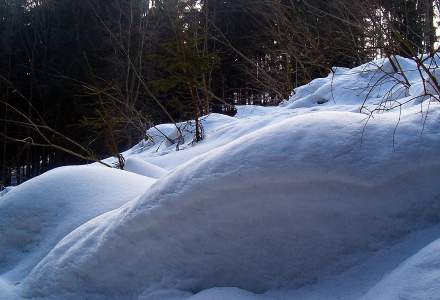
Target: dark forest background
x: 82, y: 80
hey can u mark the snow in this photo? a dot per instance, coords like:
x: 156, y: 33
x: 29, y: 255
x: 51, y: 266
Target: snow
x: 6, y: 190
x: 36, y: 215
x: 143, y: 168
x: 262, y: 205
x: 224, y: 293
x: 314, y: 199
x: 418, y: 277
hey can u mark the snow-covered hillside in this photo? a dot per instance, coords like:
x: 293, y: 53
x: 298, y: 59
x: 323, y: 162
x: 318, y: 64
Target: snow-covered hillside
x: 332, y: 195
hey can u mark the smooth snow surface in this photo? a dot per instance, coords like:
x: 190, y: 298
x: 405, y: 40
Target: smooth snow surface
x: 143, y: 168
x: 36, y: 215
x: 314, y: 199
x: 416, y: 278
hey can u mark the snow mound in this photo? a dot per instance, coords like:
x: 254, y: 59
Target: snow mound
x: 218, y: 129
x: 374, y: 84
x: 269, y: 209
x: 309, y: 200
x: 37, y: 214
x: 143, y: 168
x: 416, y: 278
x: 224, y: 293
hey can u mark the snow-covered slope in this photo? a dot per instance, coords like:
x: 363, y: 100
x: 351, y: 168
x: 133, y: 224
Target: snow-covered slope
x: 143, y: 168
x: 418, y: 277
x: 36, y: 215
x: 315, y: 199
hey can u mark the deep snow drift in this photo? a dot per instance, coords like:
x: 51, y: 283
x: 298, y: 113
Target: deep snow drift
x: 36, y: 215
x: 314, y: 199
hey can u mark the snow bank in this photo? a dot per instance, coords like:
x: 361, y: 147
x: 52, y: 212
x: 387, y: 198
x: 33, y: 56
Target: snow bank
x: 219, y: 130
x: 302, y: 201
x: 267, y: 210
x: 38, y: 213
x: 372, y: 84
x: 416, y: 278
x: 143, y: 168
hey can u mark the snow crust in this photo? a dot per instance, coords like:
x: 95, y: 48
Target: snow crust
x: 332, y: 195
